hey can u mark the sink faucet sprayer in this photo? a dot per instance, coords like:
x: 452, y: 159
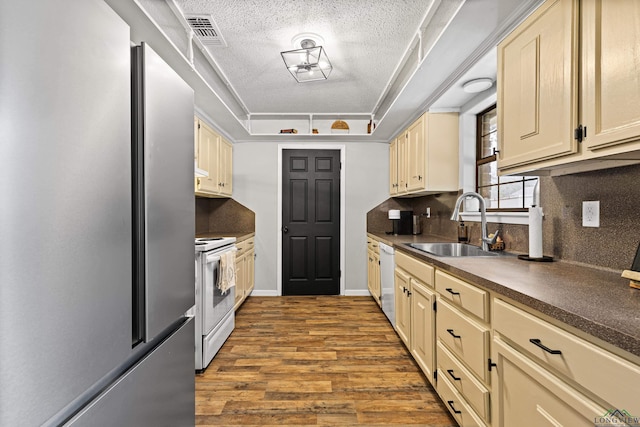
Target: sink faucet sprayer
x: 486, y: 241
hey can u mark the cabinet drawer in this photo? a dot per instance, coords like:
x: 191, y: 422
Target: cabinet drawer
x: 526, y: 395
x: 418, y: 269
x: 474, y: 392
x: 465, y: 337
x: 610, y: 377
x: 463, y: 294
x: 372, y: 245
x: 244, y: 246
x: 241, y: 247
x: 459, y: 409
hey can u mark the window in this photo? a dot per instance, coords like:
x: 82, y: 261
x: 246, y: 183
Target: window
x: 501, y: 193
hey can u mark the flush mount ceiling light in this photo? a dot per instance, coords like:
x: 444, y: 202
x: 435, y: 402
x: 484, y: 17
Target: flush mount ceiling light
x: 310, y: 63
x: 477, y: 85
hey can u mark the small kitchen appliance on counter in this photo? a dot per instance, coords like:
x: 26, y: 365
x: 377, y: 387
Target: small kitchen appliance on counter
x: 402, y: 221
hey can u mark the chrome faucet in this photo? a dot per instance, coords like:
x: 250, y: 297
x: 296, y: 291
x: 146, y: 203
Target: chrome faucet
x: 486, y: 241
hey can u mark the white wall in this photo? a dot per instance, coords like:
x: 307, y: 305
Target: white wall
x: 255, y: 185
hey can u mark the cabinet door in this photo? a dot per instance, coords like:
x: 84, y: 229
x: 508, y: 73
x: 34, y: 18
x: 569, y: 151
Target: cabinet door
x: 610, y: 103
x: 207, y: 159
x: 240, y: 280
x: 416, y: 155
x: 403, y: 184
x: 250, y: 273
x: 376, y: 277
x: 403, y: 309
x: 370, y: 272
x: 537, y: 86
x: 423, y: 327
x: 393, y: 167
x: 526, y: 395
x: 225, y: 159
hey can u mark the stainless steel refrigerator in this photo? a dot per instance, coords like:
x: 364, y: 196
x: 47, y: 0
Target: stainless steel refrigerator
x: 96, y: 223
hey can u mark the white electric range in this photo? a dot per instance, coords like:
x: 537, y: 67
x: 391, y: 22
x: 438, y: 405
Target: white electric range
x: 214, y: 313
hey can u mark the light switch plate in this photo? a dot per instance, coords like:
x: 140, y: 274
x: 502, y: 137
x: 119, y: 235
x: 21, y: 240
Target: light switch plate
x: 591, y: 214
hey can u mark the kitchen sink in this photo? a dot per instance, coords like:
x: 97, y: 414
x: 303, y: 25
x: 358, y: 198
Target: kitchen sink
x: 452, y: 249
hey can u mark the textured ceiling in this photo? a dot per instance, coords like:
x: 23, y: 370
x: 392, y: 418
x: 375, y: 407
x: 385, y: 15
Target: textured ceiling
x: 364, y: 40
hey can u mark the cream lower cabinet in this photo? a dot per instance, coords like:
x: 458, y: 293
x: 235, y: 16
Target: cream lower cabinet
x: 527, y: 395
x: 423, y: 319
x: 502, y: 366
x: 463, y: 346
x: 373, y: 269
x: 215, y: 155
x: 575, y: 381
x: 245, y: 271
x: 415, y: 314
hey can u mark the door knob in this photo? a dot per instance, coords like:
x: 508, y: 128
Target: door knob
x: 285, y: 229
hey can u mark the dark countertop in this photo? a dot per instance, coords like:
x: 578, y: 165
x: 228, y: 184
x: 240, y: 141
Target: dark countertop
x: 595, y: 301
x: 239, y: 236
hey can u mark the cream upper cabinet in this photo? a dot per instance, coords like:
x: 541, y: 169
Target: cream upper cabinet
x: 427, y: 155
x: 214, y: 155
x: 569, y: 89
x: 225, y: 161
x: 537, y: 86
x: 393, y: 167
x: 415, y: 154
x: 610, y: 102
x: 206, y: 158
x: 402, y: 167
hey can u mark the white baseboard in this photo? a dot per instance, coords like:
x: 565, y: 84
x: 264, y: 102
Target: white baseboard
x: 357, y: 293
x: 261, y: 293
x: 349, y: 293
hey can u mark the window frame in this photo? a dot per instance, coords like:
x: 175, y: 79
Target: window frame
x: 481, y: 161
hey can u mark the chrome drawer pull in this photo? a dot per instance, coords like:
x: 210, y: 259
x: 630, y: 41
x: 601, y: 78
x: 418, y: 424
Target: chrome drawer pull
x: 453, y: 334
x: 536, y: 342
x: 450, y: 372
x: 452, y: 292
x: 455, y: 411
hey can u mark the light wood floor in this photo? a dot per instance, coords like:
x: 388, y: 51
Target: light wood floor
x: 315, y: 361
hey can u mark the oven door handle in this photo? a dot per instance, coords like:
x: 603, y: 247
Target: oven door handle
x: 216, y: 256
x: 212, y: 258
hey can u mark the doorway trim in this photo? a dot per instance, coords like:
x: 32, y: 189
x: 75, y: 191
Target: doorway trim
x: 337, y: 147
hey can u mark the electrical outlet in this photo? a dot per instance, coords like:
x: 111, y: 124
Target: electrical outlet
x: 591, y: 214
x: 428, y: 214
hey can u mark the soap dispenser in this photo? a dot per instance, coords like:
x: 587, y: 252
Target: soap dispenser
x: 463, y: 233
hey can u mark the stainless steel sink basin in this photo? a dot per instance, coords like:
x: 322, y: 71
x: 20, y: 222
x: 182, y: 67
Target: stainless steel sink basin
x: 451, y: 249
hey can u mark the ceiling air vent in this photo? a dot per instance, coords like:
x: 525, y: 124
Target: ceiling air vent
x: 206, y: 30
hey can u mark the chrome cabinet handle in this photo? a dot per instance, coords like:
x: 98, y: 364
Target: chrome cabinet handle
x: 536, y: 342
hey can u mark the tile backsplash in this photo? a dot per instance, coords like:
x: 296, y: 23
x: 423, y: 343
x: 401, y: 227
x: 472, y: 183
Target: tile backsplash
x: 223, y: 216
x: 613, y: 245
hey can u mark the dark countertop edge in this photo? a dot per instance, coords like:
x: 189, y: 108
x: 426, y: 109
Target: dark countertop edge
x: 580, y: 321
x: 239, y: 236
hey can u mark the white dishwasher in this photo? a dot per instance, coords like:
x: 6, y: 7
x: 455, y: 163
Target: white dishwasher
x: 387, y: 265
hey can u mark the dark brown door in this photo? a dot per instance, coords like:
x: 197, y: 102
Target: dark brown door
x: 311, y: 222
